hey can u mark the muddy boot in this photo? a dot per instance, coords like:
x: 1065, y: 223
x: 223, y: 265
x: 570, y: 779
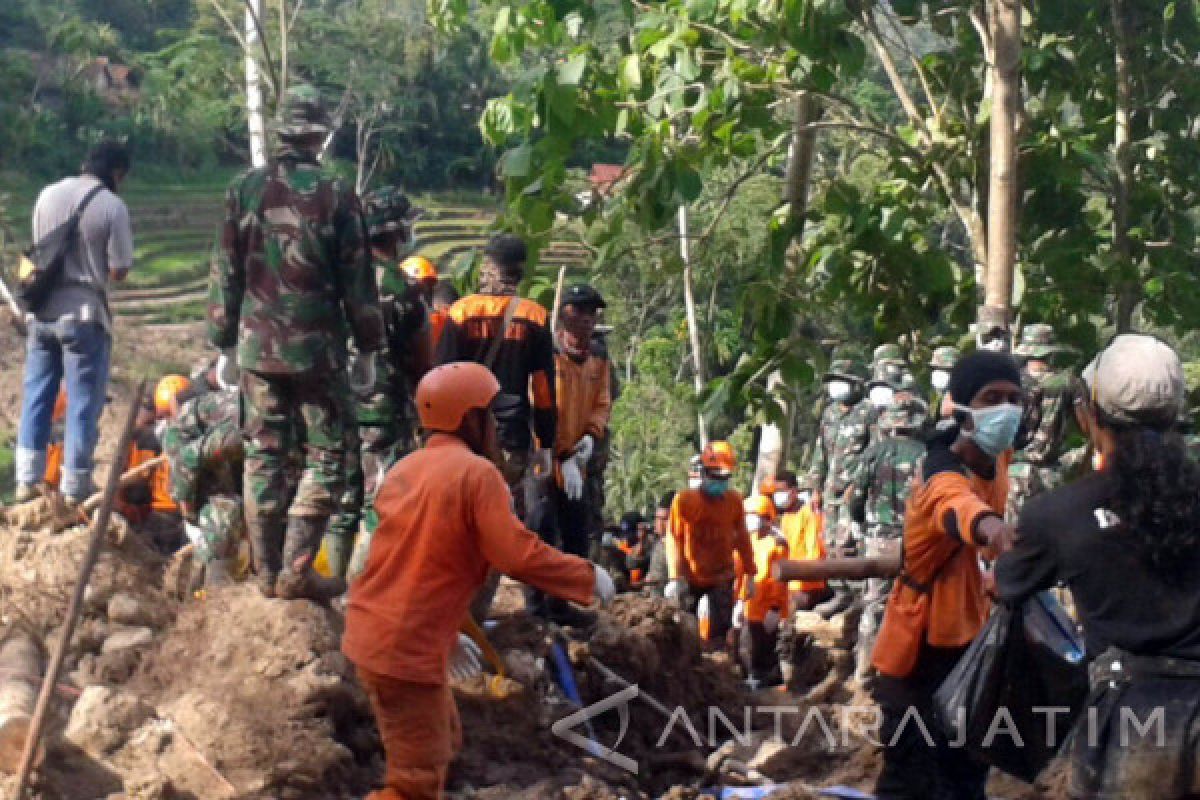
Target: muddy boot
x: 266, y: 542
x: 298, y: 578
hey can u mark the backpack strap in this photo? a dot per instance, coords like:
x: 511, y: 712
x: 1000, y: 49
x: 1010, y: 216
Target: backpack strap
x: 510, y: 311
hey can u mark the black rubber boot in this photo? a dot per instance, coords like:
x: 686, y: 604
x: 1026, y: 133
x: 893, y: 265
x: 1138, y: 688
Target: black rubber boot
x: 266, y: 538
x: 298, y: 578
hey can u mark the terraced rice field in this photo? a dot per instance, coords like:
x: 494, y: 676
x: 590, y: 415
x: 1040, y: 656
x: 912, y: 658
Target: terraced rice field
x: 175, y: 229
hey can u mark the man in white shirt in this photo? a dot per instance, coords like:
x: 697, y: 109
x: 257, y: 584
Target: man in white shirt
x: 70, y: 335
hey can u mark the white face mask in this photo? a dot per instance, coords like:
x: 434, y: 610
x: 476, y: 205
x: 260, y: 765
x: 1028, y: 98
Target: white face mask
x: 837, y: 389
x: 753, y: 523
x: 941, y: 379
x: 881, y: 396
x: 695, y: 483
x: 804, y: 497
x: 783, y: 500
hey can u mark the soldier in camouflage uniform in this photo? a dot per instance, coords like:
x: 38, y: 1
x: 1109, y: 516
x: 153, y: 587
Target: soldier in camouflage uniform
x: 842, y: 438
x: 204, y: 447
x: 878, y: 496
x: 386, y: 429
x: 291, y: 277
x: 944, y: 359
x: 1037, y: 467
x: 887, y: 378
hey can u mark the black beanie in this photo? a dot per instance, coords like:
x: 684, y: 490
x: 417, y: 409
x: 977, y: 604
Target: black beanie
x: 974, y: 371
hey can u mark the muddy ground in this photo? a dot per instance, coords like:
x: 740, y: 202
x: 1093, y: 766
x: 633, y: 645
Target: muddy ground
x: 170, y: 695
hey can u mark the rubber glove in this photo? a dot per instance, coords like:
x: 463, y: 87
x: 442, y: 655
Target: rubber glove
x: 466, y: 660
x: 228, y: 373
x: 739, y: 614
x: 605, y: 590
x: 194, y: 533
x: 572, y: 479
x: 676, y: 590
x: 584, y: 448
x: 362, y: 372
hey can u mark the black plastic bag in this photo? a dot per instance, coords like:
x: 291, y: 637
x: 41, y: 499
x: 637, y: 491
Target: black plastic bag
x: 1018, y: 688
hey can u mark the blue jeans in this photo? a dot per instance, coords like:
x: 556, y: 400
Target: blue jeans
x: 78, y: 352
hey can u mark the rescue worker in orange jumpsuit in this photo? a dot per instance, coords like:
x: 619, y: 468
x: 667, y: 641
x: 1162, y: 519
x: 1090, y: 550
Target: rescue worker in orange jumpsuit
x: 444, y: 296
x: 445, y: 520
x: 801, y: 523
x: 938, y: 604
x: 148, y: 503
x: 708, y: 526
x: 761, y: 609
x: 584, y: 402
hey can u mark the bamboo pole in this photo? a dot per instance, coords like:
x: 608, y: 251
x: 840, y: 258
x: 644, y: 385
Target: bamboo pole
x: 558, y: 293
x: 98, y: 532
x: 689, y: 303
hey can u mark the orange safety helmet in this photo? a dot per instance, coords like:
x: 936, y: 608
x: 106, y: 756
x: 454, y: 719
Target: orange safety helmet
x: 419, y: 268
x: 60, y: 406
x: 719, y: 456
x: 768, y: 486
x: 168, y: 388
x: 760, y: 504
x: 448, y: 392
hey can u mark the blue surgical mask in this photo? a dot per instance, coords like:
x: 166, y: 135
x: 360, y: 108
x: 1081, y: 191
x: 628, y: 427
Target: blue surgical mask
x: 715, y: 487
x: 995, y: 426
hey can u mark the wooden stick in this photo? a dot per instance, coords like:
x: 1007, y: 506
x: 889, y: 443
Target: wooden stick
x: 558, y: 292
x: 887, y: 566
x: 10, y: 301
x: 98, y: 532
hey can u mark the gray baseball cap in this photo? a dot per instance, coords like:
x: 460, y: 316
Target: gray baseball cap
x: 1137, y: 380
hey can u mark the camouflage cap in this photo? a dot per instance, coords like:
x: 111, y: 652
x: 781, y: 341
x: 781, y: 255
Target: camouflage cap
x: 1038, y: 341
x: 906, y: 413
x: 887, y: 352
x: 302, y: 113
x: 387, y: 209
x: 846, y: 369
x: 887, y: 373
x: 945, y: 357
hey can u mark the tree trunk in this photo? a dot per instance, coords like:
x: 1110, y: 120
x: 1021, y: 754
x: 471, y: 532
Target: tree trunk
x: 1128, y: 285
x: 689, y: 304
x: 21, y: 660
x: 774, y: 443
x: 1004, y: 20
x: 254, y: 99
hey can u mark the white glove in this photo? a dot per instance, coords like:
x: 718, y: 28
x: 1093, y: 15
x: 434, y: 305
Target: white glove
x: 675, y: 590
x: 739, y: 614
x: 751, y: 588
x: 465, y: 661
x: 194, y: 533
x: 584, y: 448
x: 572, y: 479
x: 362, y: 372
x: 605, y: 590
x: 771, y: 621
x: 228, y: 373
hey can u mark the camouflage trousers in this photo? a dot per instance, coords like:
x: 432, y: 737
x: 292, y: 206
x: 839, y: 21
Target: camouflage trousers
x: 875, y: 598
x: 284, y: 416
x: 1028, y: 480
x: 221, y: 525
x: 842, y: 534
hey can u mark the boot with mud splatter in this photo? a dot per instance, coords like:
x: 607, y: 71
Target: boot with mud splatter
x: 298, y: 578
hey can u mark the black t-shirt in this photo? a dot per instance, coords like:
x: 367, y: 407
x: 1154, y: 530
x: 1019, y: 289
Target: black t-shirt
x: 1068, y: 536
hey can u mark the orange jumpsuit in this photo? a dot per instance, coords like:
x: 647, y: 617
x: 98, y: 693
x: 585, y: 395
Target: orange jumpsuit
x: 769, y: 594
x: 939, y: 596
x: 445, y: 518
x: 802, y: 530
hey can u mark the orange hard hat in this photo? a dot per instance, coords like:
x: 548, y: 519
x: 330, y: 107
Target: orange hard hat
x: 768, y: 486
x: 719, y: 456
x: 60, y: 405
x: 167, y: 390
x: 419, y: 268
x: 448, y: 392
x: 760, y: 504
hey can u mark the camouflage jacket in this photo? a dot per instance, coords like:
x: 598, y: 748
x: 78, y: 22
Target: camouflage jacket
x: 848, y: 446
x: 882, y: 482
x: 1050, y: 401
x: 292, y: 271
x: 831, y: 417
x: 203, y: 445
x: 405, y: 315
